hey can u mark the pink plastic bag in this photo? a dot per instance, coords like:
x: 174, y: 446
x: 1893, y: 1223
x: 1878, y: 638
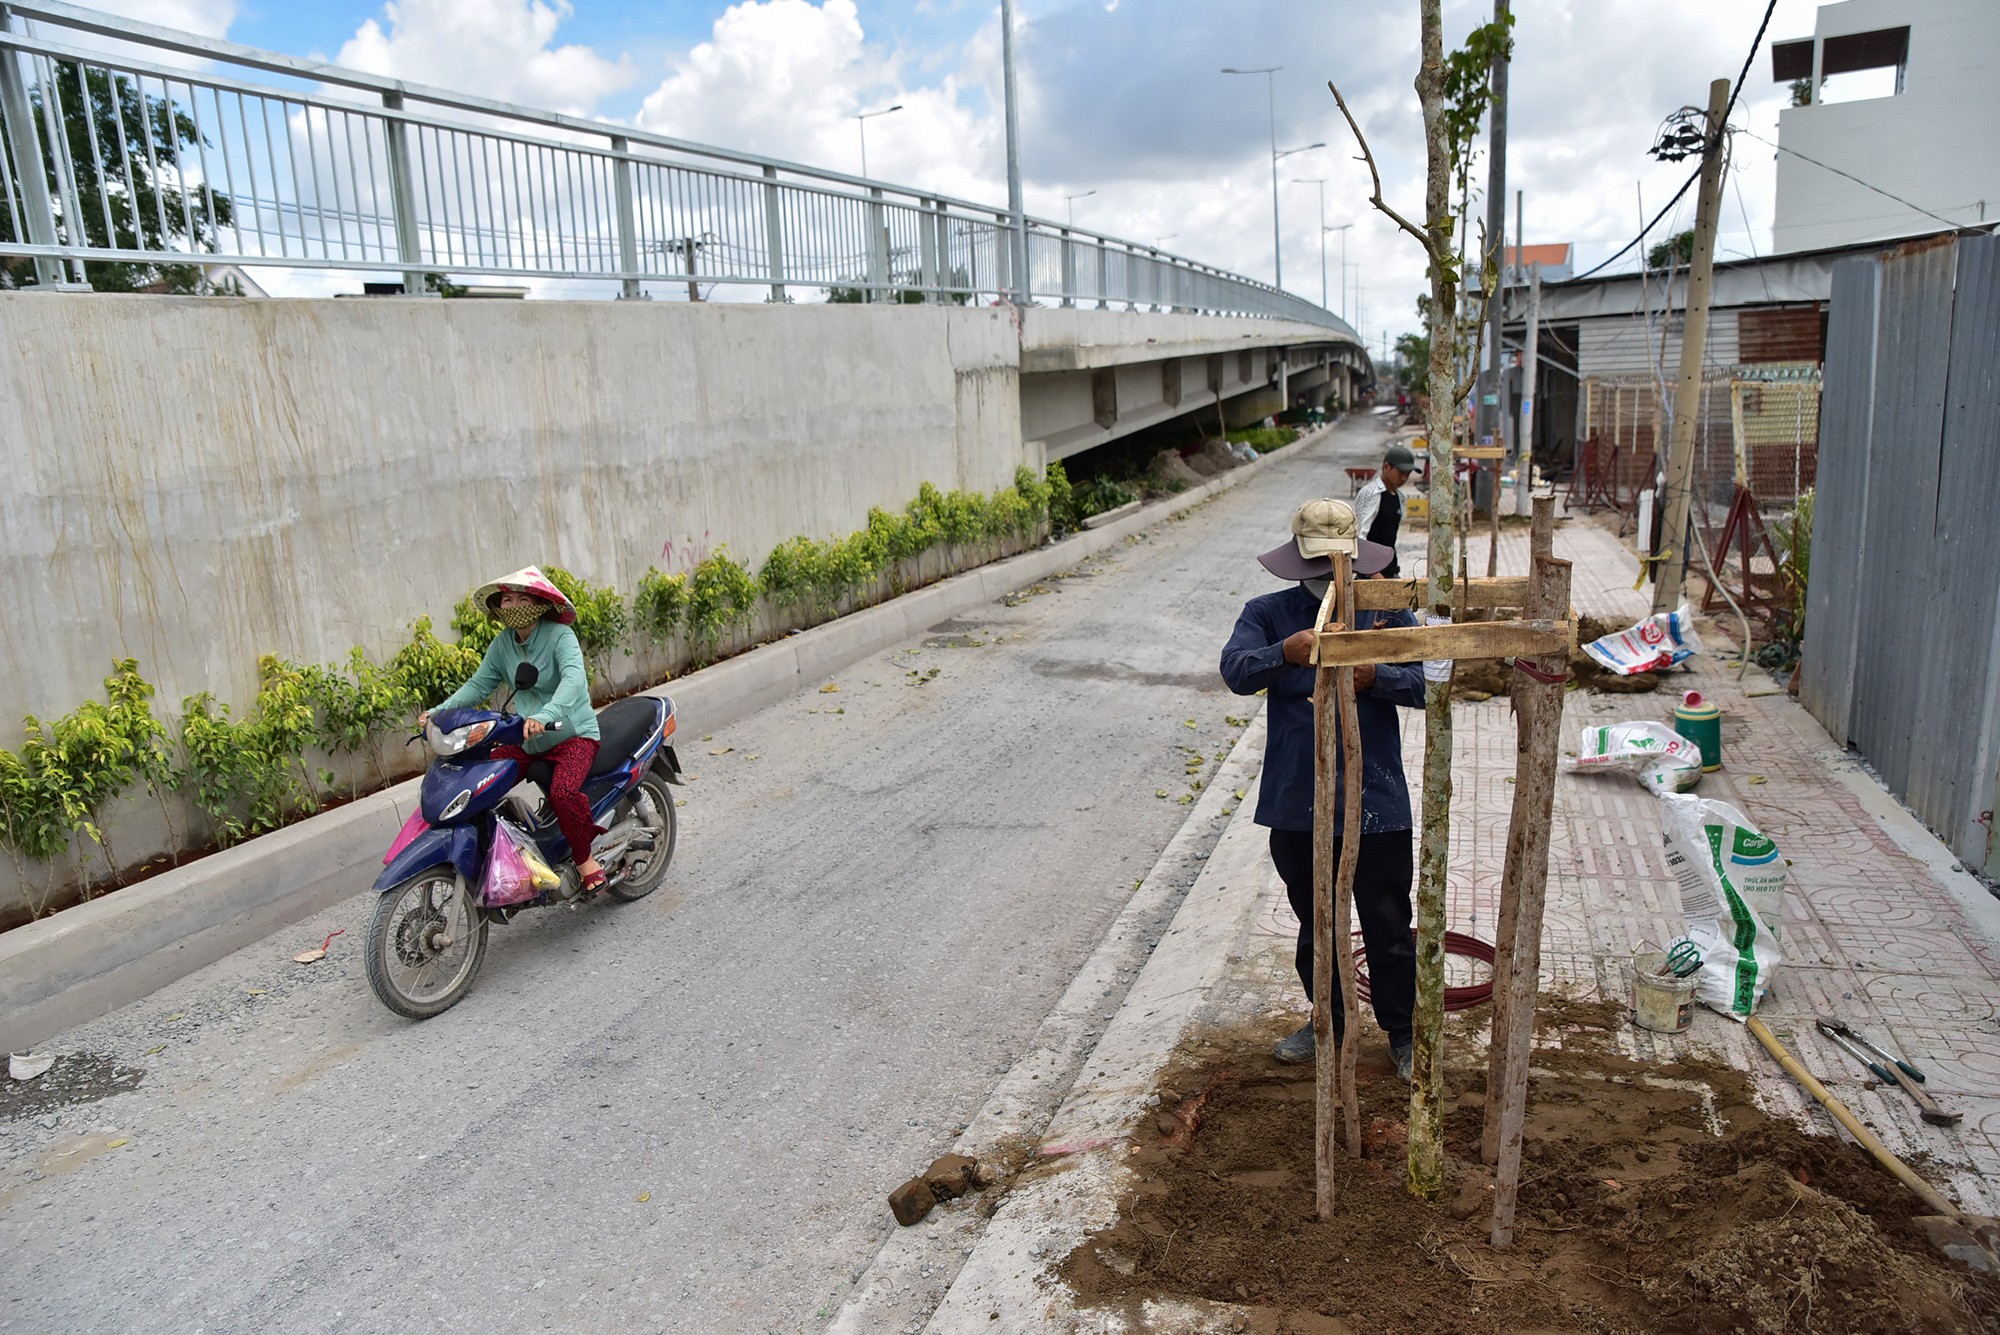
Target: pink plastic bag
x: 412, y: 827
x: 508, y: 879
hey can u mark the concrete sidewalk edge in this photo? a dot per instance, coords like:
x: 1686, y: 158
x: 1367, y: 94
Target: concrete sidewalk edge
x: 86, y: 961
x: 1039, y: 1088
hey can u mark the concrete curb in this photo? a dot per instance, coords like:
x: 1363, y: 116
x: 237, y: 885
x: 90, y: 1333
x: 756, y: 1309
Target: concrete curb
x: 1009, y: 1283
x: 900, y: 1285
x: 85, y: 961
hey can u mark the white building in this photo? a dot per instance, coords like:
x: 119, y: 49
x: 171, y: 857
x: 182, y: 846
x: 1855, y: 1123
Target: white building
x: 1904, y: 96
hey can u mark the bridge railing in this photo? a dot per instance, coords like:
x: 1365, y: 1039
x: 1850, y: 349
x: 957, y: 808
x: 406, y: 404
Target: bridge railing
x: 150, y: 151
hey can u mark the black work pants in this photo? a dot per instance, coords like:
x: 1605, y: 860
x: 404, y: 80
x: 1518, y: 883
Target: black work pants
x: 1382, y: 882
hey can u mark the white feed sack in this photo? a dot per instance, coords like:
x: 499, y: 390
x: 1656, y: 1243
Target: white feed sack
x: 1732, y: 883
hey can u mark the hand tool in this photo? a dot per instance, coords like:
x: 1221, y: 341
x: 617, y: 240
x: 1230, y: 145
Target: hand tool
x: 1898, y: 1072
x: 1837, y: 1033
x: 1963, y: 1237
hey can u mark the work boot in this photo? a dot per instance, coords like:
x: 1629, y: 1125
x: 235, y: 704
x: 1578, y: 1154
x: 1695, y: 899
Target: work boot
x: 1399, y: 1053
x: 1296, y: 1047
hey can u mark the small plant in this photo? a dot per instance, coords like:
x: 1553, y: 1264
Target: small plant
x: 248, y: 774
x: 721, y: 594
x: 601, y: 615
x: 660, y: 607
x: 1100, y: 494
x: 1794, y: 541
x: 474, y: 628
x: 356, y: 703
x: 792, y: 571
x: 428, y: 668
x: 1265, y: 439
x: 1064, y: 517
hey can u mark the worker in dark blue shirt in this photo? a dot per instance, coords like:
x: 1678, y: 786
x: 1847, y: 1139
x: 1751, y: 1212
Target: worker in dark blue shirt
x: 1271, y: 650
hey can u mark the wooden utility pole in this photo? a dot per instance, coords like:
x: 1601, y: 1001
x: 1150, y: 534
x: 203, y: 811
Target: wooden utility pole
x: 1531, y: 362
x: 1694, y: 344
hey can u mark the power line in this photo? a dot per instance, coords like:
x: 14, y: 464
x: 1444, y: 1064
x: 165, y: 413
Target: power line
x: 1712, y: 146
x: 1852, y: 177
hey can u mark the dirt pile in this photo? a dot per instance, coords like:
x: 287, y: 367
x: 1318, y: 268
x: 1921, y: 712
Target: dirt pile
x: 1635, y: 1215
x: 1168, y: 468
x: 1484, y: 678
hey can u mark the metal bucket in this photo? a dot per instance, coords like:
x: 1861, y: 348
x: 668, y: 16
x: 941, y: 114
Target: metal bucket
x: 1660, y: 1001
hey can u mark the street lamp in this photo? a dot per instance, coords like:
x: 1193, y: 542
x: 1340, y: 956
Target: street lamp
x: 1320, y: 181
x: 1342, y: 229
x: 861, y: 123
x: 1069, y: 201
x: 1271, y: 96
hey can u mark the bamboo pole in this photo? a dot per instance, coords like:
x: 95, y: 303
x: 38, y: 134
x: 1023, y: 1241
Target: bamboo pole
x: 1541, y: 544
x: 1538, y: 706
x: 1326, y: 1191
x: 1350, y: 854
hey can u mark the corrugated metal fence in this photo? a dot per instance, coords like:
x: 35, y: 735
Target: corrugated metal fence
x: 1902, y: 649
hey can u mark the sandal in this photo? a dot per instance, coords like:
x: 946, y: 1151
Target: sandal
x: 594, y: 882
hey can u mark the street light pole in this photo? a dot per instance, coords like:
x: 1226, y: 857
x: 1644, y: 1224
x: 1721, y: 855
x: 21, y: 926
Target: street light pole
x: 1319, y: 181
x: 1271, y: 95
x: 861, y: 122
x: 1070, y: 202
x: 1018, y: 243
x: 1343, y: 230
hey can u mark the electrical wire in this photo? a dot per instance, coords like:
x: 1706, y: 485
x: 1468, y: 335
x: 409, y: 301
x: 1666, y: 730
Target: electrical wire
x: 1955, y: 226
x: 1735, y: 92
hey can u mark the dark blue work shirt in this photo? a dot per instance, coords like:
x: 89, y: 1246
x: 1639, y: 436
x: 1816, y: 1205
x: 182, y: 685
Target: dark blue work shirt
x: 1254, y: 659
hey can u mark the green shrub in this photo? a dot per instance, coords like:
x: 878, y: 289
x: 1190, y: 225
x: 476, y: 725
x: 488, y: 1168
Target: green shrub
x: 792, y: 571
x: 474, y: 628
x: 601, y: 615
x: 428, y: 668
x: 248, y: 775
x: 660, y: 607
x: 1064, y: 517
x: 1265, y: 439
x: 721, y: 594
x: 1100, y: 494
x: 357, y: 701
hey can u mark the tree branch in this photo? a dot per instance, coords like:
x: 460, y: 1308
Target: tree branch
x: 1368, y: 156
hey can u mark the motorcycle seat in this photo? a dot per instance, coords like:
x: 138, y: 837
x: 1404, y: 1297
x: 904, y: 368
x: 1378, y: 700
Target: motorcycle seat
x: 621, y: 726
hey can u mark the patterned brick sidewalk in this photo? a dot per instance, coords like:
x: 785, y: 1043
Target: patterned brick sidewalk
x: 1882, y: 929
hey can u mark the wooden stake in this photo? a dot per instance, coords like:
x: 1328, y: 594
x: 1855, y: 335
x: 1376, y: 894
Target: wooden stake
x: 1539, y: 708
x: 1541, y: 544
x: 1350, y: 853
x: 1325, y: 1070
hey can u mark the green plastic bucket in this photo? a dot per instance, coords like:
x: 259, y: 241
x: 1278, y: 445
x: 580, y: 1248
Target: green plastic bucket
x: 1701, y: 723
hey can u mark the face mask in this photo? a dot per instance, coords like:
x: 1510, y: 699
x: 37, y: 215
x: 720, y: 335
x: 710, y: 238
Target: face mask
x: 1317, y: 587
x: 520, y: 616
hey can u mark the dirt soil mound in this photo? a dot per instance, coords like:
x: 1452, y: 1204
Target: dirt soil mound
x: 1635, y: 1216
x: 1484, y: 678
x: 1168, y: 467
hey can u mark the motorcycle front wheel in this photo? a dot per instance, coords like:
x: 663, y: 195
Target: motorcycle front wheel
x: 425, y: 943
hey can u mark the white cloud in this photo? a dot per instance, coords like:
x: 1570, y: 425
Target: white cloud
x: 786, y: 78
x: 499, y: 49
x: 210, y: 18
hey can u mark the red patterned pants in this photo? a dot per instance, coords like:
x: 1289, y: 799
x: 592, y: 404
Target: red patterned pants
x: 571, y: 760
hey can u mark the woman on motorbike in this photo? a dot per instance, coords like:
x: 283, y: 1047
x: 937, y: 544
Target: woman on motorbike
x: 559, y: 723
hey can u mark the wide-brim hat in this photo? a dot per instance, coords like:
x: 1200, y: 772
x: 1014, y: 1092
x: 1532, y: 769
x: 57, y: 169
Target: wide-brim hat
x: 1286, y: 562
x: 531, y: 581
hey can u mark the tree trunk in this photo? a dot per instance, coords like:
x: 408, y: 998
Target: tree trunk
x: 1426, y: 1146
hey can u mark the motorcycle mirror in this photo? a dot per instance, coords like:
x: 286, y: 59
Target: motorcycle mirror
x: 525, y: 677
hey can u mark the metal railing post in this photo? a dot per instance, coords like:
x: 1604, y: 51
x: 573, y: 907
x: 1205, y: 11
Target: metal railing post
x: 878, y: 247
x: 26, y: 148
x: 927, y: 249
x: 774, y: 234
x: 628, y: 228
x: 1068, y: 269
x: 1004, y: 262
x: 402, y: 196
x: 1103, y: 277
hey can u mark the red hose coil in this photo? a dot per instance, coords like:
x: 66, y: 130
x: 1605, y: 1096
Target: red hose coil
x: 1455, y: 943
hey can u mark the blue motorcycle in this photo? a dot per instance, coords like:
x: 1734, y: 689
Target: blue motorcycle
x: 427, y: 938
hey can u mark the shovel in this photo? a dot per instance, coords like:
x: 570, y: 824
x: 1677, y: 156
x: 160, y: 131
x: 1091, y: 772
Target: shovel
x: 1973, y: 1239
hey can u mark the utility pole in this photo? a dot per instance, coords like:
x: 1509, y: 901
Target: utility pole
x: 1694, y: 344
x: 1017, y: 243
x: 1524, y: 461
x: 1488, y: 416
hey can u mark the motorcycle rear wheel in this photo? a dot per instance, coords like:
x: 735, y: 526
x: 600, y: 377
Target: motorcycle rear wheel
x: 410, y: 971
x: 651, y: 803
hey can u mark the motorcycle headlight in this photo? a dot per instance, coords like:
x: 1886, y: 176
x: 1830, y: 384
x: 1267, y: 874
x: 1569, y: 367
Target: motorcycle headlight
x: 458, y: 739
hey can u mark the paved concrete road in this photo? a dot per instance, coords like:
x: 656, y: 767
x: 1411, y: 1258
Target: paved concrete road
x: 879, y: 893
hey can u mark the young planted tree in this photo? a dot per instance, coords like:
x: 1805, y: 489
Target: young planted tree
x: 1453, y: 92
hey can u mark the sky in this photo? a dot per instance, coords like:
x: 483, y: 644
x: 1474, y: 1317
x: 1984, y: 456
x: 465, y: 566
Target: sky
x: 1123, y: 98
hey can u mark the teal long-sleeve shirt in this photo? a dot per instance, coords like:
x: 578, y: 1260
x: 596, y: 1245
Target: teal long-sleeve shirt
x: 560, y: 695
